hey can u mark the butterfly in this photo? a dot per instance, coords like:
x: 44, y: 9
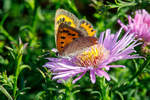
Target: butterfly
x: 72, y: 35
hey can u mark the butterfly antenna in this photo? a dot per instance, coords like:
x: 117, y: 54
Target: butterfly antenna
x: 44, y: 55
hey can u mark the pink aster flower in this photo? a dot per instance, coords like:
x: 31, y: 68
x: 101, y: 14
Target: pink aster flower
x: 95, y: 59
x: 139, y: 25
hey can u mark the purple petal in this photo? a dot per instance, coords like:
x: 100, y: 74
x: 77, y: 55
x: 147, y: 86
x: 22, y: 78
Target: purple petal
x: 68, y: 74
x: 75, y: 80
x: 114, y: 66
x: 101, y: 38
x: 117, y: 35
x: 102, y: 73
x: 53, y: 59
x: 92, y: 76
x: 122, y: 25
x: 69, y: 67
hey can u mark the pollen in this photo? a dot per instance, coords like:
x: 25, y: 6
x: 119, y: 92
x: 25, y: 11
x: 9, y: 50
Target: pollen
x: 93, y: 56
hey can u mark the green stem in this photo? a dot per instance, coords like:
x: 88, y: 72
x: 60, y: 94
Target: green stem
x: 18, y: 61
x: 69, y: 88
x: 144, y: 65
x: 70, y: 96
x: 69, y: 93
x: 104, y: 90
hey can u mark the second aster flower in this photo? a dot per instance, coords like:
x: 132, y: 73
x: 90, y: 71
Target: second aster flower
x: 96, y: 58
x: 139, y: 25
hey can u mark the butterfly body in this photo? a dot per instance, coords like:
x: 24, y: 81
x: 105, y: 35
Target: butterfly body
x: 71, y: 34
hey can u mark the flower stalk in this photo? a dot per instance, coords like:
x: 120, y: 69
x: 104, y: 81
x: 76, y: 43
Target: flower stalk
x: 17, y: 70
x: 104, y: 89
x: 69, y: 89
x: 19, y: 66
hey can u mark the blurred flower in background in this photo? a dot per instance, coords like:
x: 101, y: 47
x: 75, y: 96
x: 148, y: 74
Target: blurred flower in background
x: 96, y: 58
x: 140, y: 26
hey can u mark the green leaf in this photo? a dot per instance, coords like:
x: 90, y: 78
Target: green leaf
x: 38, y: 96
x: 76, y: 91
x: 4, y: 91
x: 23, y: 67
x: 31, y: 3
x: 3, y: 20
x: 11, y: 50
x: 120, y: 94
x: 41, y: 72
x: 95, y: 92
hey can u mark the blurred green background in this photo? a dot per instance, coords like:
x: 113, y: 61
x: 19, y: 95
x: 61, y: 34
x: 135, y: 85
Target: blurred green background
x: 33, y: 22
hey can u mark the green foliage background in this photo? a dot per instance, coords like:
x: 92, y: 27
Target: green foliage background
x: 22, y: 76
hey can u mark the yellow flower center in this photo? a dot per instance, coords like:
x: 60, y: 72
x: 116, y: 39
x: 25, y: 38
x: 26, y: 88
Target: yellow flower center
x: 92, y: 56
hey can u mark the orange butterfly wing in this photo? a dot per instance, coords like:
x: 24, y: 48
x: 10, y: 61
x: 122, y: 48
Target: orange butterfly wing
x: 66, y: 34
x: 63, y: 16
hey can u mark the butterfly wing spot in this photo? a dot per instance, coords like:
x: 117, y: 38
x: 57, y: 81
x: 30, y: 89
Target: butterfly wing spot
x: 73, y: 38
x: 65, y: 22
x: 83, y: 22
x: 90, y: 26
x: 87, y: 23
x: 69, y: 33
x: 63, y: 37
x: 62, y: 42
x: 73, y: 34
x: 62, y: 47
x: 69, y: 23
x: 61, y: 20
x: 65, y: 31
